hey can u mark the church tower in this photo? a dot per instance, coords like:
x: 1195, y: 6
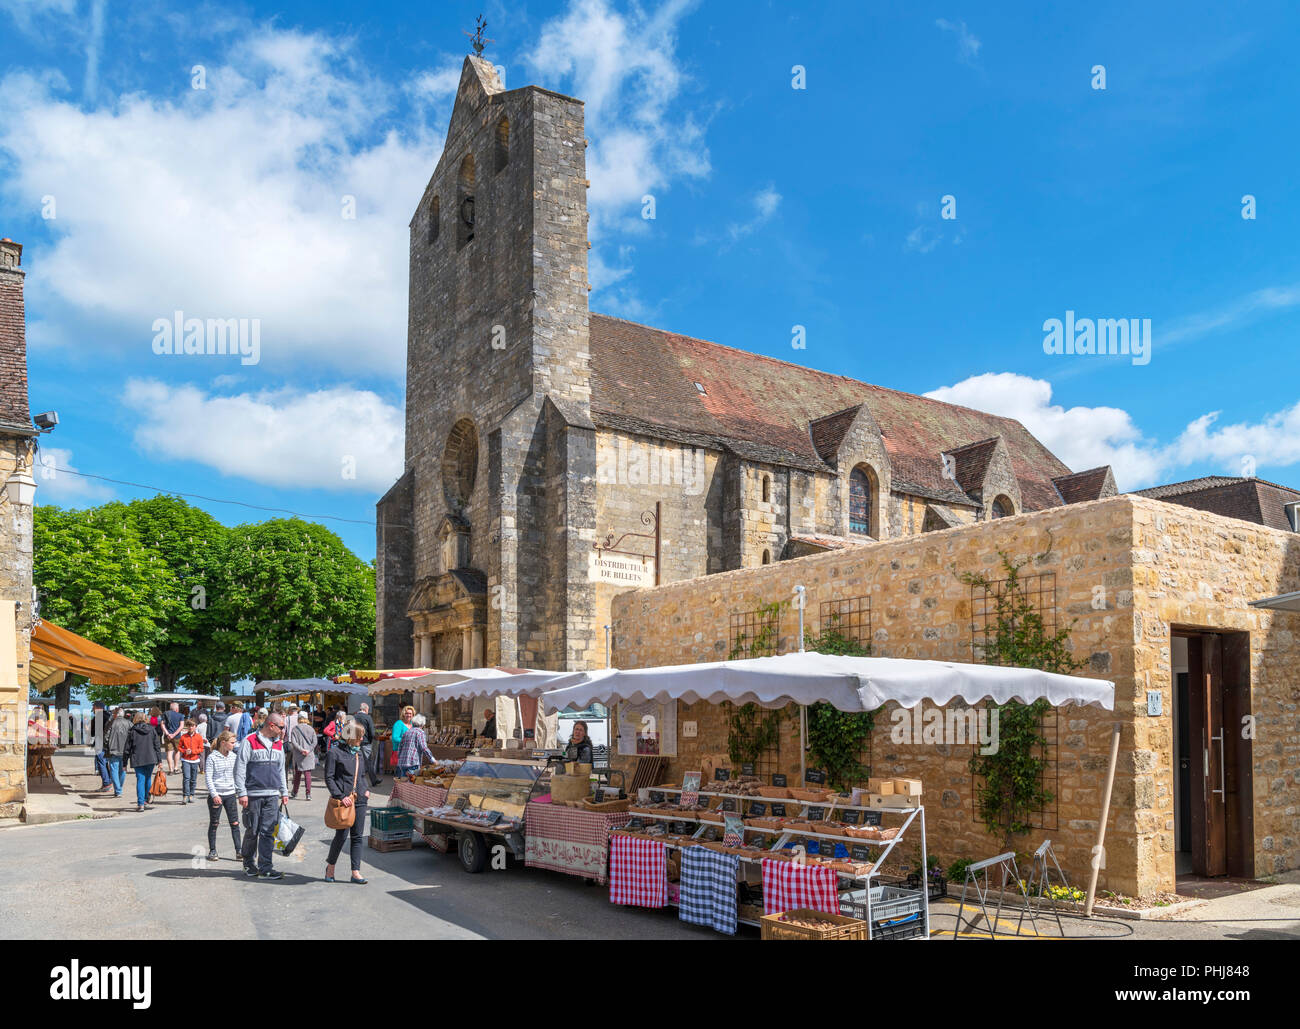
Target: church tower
x: 479, y: 540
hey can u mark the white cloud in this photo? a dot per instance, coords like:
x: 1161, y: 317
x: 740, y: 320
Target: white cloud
x: 625, y: 69
x: 968, y: 47
x: 57, y: 483
x: 228, y: 201
x: 286, y: 438
x: 922, y: 239
x: 1087, y: 437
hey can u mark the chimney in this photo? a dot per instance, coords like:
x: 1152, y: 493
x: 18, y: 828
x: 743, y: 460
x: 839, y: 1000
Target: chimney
x: 14, y: 412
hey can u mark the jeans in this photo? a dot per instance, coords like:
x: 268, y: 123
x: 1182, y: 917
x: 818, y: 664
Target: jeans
x: 143, y: 780
x: 189, y: 776
x: 229, y: 804
x: 259, y: 822
x: 101, y: 766
x: 355, y: 832
x: 404, y: 770
x: 298, y: 775
x: 116, y: 773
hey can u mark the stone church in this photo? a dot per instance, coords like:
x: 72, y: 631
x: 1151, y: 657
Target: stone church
x: 556, y: 457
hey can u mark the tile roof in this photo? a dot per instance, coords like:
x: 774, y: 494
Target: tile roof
x: 1081, y: 486
x: 1252, y: 500
x: 972, y: 463
x: 643, y: 380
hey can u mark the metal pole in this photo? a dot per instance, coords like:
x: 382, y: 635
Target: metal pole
x: 607, y: 646
x: 1098, y: 849
x: 799, y: 601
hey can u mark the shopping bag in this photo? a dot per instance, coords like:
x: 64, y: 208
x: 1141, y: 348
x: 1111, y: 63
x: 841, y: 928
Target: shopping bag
x: 287, y: 833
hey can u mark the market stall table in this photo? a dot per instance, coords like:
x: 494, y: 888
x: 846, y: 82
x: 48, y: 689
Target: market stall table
x: 569, y: 840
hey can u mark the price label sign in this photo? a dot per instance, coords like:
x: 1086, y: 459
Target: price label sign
x: 778, y: 810
x: 682, y: 828
x: 779, y: 780
x: 871, y: 818
x: 656, y: 797
x: 757, y: 809
x: 462, y: 803
x: 816, y: 814
x: 721, y: 774
x: 860, y: 853
x: 747, y: 768
x: 727, y: 804
x: 635, y: 823
x: 814, y: 775
x: 850, y: 817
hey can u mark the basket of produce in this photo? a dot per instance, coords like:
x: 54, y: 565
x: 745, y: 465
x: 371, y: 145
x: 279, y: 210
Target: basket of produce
x: 712, y: 817
x: 862, y: 832
x: 829, y: 828
x: 810, y: 796
x: 802, y: 924
x: 765, y: 823
x: 775, y: 792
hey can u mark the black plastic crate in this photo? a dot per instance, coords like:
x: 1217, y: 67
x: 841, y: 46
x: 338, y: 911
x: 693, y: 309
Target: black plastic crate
x: 908, y: 928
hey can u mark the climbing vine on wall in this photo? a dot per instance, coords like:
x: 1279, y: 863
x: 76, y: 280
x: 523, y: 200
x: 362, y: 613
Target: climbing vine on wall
x: 836, y: 738
x: 1010, y: 781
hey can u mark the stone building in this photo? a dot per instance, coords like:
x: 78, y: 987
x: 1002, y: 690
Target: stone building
x: 1157, y: 598
x: 555, y: 457
x: 16, y: 435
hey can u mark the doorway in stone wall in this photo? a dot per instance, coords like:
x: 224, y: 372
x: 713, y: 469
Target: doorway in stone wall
x: 1213, y: 786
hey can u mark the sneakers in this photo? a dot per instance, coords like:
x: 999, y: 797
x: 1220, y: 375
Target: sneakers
x: 272, y: 874
x: 250, y: 871
x: 212, y: 856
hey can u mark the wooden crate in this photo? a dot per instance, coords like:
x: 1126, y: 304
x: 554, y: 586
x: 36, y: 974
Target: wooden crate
x: 384, y: 846
x: 846, y: 928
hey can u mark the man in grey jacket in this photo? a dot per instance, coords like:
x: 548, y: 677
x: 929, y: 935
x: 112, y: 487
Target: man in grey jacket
x: 118, y: 732
x: 261, y: 787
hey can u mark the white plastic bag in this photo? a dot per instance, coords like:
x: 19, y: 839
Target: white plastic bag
x: 287, y: 833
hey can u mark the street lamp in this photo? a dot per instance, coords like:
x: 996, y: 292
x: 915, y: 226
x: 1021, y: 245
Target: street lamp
x: 21, y: 489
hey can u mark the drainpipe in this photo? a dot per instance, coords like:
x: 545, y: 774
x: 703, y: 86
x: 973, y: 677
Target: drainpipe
x: 798, y: 603
x: 607, y: 646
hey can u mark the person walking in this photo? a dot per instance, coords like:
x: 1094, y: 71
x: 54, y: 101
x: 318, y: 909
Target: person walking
x: 238, y: 722
x: 99, y: 719
x: 173, y: 723
x: 261, y: 786
x: 221, y: 792
x: 364, y: 720
x: 189, y: 744
x: 334, y: 728
x: 415, y: 745
x: 302, y: 751
x: 144, y: 750
x: 346, y: 782
x: 118, y: 732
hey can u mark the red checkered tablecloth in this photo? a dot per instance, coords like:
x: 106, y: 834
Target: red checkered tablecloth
x: 567, y: 840
x: 791, y: 886
x: 418, y: 795
x: 638, y: 871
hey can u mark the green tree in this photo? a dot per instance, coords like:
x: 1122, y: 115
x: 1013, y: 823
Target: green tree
x: 94, y: 577
x: 193, y: 544
x: 296, y: 601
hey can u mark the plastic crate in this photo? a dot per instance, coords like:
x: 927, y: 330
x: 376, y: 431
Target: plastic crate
x: 390, y: 819
x: 384, y: 846
x: 888, y: 904
x: 907, y: 928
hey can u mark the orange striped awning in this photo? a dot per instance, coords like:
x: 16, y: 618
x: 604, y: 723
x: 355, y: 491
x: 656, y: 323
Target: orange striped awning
x: 55, y: 650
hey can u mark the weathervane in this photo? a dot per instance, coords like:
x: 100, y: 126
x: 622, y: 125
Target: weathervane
x: 476, y: 38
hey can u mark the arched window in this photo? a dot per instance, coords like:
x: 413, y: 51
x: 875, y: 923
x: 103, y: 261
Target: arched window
x: 860, y: 501
x: 465, y: 202
x: 767, y: 557
x: 435, y: 220
x: 503, y: 144
x: 1003, y: 508
x: 767, y: 489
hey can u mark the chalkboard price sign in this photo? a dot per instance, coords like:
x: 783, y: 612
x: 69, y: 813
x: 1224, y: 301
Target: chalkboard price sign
x: 682, y: 828
x: 851, y: 817
x: 747, y: 768
x: 871, y: 818
x: 462, y: 803
x: 656, y: 797
x: 778, y: 810
x: 727, y: 804
x: 814, y: 775
x: 756, y: 810
x: 721, y: 774
x: 860, y: 853
x: 779, y: 780
x: 635, y: 823
x: 816, y: 814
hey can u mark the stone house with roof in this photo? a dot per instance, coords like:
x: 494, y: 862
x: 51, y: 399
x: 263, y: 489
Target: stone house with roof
x: 1250, y: 499
x: 556, y: 457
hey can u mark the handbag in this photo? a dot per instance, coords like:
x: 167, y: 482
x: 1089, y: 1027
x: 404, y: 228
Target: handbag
x: 159, y: 787
x: 339, y: 815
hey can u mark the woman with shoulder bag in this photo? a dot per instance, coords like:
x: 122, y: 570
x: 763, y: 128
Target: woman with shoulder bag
x: 144, y: 750
x: 302, y: 744
x: 346, y: 811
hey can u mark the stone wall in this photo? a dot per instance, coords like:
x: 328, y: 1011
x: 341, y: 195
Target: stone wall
x: 1106, y: 560
x: 15, y: 585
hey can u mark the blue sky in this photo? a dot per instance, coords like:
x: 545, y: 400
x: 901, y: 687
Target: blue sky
x: 137, y: 194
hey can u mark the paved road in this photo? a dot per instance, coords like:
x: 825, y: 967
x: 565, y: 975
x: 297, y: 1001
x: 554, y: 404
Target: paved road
x: 144, y: 875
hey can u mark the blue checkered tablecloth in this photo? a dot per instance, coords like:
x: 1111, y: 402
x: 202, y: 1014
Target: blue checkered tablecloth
x: 708, y: 888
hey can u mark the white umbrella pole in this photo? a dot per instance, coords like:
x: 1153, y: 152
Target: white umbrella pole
x: 803, y: 742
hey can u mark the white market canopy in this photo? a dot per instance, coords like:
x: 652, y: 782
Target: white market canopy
x: 847, y: 683
x: 470, y: 683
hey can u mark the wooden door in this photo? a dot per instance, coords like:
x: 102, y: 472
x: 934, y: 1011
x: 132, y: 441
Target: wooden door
x: 1208, y: 801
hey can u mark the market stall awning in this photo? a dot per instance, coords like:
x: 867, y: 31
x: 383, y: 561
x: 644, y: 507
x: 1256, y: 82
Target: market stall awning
x: 847, y: 683
x: 470, y: 683
x: 56, y: 650
x: 299, y: 687
x: 359, y: 676
x: 1282, y: 602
